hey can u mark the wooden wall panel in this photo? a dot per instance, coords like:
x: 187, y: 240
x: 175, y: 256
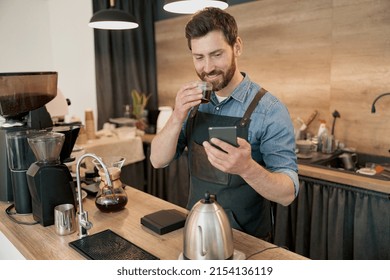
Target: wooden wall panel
x: 360, y: 72
x: 324, y: 54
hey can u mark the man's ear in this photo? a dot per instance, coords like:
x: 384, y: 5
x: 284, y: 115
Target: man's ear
x: 238, y: 47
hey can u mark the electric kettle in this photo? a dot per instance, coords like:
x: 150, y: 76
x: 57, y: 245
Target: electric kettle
x: 207, y: 232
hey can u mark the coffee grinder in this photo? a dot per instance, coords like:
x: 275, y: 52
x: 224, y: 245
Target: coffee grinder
x: 22, y: 106
x: 20, y: 157
x: 49, y: 181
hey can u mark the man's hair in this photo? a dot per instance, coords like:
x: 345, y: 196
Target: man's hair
x: 211, y: 19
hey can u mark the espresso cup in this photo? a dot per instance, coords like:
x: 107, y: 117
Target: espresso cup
x: 206, y: 88
x: 64, y: 219
x: 305, y: 146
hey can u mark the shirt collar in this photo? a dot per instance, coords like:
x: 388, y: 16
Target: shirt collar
x: 239, y: 93
x: 242, y: 90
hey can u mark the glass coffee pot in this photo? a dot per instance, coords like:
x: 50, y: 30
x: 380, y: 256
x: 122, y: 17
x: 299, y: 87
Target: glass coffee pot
x: 110, y: 199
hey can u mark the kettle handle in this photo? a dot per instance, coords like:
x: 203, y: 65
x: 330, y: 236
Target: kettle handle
x: 202, y: 249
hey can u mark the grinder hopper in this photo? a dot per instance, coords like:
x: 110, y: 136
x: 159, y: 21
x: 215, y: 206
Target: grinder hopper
x: 22, y: 99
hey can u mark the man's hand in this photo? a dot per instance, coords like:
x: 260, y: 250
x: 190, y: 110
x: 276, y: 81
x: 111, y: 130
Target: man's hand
x: 188, y: 96
x: 235, y: 160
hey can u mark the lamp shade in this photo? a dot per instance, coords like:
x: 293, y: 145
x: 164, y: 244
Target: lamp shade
x: 192, y: 6
x: 113, y: 19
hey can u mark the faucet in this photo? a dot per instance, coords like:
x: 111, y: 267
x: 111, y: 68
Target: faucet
x: 373, y: 104
x: 84, y: 224
x: 376, y: 99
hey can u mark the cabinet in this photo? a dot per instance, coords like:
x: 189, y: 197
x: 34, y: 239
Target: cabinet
x: 335, y: 221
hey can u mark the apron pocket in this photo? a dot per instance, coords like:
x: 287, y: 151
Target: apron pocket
x: 202, y: 168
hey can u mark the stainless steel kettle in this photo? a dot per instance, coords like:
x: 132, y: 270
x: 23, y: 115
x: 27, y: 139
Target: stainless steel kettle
x: 207, y: 232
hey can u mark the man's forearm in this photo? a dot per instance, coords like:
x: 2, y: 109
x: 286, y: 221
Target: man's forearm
x: 163, y: 146
x: 277, y: 187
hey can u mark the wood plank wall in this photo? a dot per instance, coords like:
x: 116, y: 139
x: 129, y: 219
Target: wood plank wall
x: 313, y: 54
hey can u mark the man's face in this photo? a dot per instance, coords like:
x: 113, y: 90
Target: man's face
x: 213, y: 59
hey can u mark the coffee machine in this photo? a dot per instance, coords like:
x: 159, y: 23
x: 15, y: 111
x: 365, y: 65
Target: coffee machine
x: 22, y: 106
x: 49, y: 180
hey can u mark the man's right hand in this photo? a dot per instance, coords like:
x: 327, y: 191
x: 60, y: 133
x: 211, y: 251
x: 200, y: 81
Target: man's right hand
x: 188, y: 96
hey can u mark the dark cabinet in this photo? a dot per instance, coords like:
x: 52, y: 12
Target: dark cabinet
x: 335, y: 221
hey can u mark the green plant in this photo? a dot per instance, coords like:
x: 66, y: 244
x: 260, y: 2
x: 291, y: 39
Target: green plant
x: 139, y: 102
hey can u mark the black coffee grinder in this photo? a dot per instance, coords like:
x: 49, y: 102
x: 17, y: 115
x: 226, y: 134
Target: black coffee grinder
x: 49, y: 181
x: 20, y: 157
x: 22, y: 106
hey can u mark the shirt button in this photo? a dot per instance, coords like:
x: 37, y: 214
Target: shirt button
x: 217, y: 108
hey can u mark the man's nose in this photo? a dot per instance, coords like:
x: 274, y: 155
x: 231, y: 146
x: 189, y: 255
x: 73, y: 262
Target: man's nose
x: 209, y: 66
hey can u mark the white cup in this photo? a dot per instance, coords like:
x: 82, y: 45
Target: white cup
x: 64, y: 219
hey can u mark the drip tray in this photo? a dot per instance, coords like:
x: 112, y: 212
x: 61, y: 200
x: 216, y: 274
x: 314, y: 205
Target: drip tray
x: 107, y: 245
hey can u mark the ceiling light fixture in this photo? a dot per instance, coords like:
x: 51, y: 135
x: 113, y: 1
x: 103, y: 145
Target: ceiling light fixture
x: 113, y: 19
x: 192, y: 6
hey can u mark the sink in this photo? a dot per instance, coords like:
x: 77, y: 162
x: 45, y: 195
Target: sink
x: 335, y: 163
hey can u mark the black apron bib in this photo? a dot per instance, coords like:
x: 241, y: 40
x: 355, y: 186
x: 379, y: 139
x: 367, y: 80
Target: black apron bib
x: 247, y: 210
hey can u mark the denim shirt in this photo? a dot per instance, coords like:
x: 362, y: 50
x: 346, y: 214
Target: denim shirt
x: 271, y: 133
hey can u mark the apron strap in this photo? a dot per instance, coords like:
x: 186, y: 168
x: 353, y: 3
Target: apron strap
x: 194, y: 111
x: 246, y: 118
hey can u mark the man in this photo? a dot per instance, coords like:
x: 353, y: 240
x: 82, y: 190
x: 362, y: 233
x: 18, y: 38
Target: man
x: 263, y: 167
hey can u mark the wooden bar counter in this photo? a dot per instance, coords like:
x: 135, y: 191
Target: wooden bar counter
x: 36, y: 242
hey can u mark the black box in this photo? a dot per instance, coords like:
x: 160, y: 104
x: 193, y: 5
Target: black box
x: 164, y: 221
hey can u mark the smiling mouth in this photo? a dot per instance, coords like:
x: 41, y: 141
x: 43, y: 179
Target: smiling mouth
x: 213, y: 77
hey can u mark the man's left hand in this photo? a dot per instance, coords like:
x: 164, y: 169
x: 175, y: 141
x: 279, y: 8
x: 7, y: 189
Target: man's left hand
x: 234, y: 160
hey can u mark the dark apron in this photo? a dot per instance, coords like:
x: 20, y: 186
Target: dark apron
x: 247, y: 210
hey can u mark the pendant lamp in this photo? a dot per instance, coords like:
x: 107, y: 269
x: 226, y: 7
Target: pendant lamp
x: 192, y: 6
x: 113, y: 19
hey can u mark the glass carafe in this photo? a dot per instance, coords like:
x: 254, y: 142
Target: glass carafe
x: 111, y: 198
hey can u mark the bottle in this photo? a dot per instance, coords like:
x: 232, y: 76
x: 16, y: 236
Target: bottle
x: 324, y: 141
x: 127, y: 112
x: 328, y: 142
x: 320, y: 135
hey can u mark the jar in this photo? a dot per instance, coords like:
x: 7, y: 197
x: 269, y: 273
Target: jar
x: 110, y: 198
x: 114, y: 198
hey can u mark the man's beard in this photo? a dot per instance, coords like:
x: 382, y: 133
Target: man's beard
x: 226, y: 77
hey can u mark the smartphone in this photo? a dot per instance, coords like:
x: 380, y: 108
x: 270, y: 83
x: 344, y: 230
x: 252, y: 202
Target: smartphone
x: 227, y: 134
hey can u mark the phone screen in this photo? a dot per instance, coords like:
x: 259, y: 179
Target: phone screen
x: 227, y: 134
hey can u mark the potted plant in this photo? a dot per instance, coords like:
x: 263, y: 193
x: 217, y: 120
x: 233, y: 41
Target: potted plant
x: 140, y: 101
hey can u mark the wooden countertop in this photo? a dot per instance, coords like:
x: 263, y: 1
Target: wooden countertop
x: 42, y: 243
